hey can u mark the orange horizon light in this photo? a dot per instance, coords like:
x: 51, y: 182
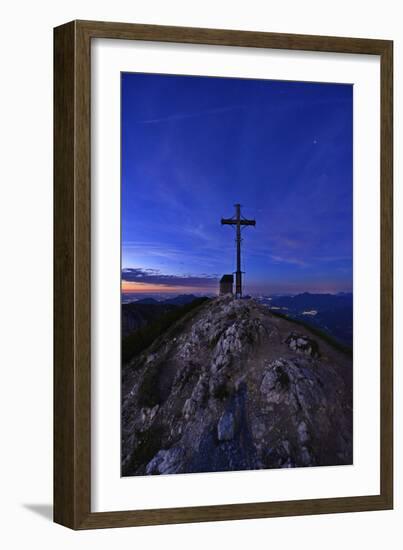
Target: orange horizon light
x: 132, y: 287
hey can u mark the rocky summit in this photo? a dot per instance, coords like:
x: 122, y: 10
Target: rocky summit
x: 232, y: 386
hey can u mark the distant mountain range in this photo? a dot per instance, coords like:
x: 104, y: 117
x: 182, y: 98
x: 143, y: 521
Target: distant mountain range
x: 332, y: 313
x: 179, y: 300
x: 307, y: 300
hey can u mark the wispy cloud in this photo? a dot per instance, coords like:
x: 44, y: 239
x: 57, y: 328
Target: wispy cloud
x: 289, y: 260
x: 184, y: 116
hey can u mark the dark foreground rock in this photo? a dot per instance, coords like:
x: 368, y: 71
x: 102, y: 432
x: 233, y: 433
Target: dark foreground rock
x: 232, y: 387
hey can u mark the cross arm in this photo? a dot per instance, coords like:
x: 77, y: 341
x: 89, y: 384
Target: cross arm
x: 232, y: 221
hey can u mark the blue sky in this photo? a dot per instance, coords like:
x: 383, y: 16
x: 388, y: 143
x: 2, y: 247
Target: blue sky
x: 192, y: 147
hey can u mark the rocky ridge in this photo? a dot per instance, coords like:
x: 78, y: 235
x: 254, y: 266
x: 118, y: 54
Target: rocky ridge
x: 233, y: 387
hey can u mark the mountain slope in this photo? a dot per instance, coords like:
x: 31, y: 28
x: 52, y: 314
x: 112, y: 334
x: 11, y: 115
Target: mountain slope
x: 138, y: 314
x: 232, y: 387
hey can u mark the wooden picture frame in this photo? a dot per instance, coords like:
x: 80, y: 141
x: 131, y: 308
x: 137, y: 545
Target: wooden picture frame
x: 72, y: 270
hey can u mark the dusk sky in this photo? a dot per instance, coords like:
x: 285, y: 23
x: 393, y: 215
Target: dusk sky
x: 192, y: 147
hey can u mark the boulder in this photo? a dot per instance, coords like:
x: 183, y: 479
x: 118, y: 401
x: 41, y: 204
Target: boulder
x: 302, y: 344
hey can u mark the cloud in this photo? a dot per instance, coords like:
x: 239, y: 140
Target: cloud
x: 155, y: 277
x: 184, y: 116
x: 289, y: 260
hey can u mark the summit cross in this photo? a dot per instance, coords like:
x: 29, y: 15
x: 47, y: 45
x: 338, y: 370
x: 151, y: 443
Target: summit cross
x: 239, y: 221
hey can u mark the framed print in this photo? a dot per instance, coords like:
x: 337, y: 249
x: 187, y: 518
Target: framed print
x: 223, y: 275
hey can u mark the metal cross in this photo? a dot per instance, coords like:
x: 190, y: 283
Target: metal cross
x: 238, y: 220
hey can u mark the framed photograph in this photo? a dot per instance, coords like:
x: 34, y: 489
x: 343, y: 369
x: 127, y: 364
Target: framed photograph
x: 222, y: 275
